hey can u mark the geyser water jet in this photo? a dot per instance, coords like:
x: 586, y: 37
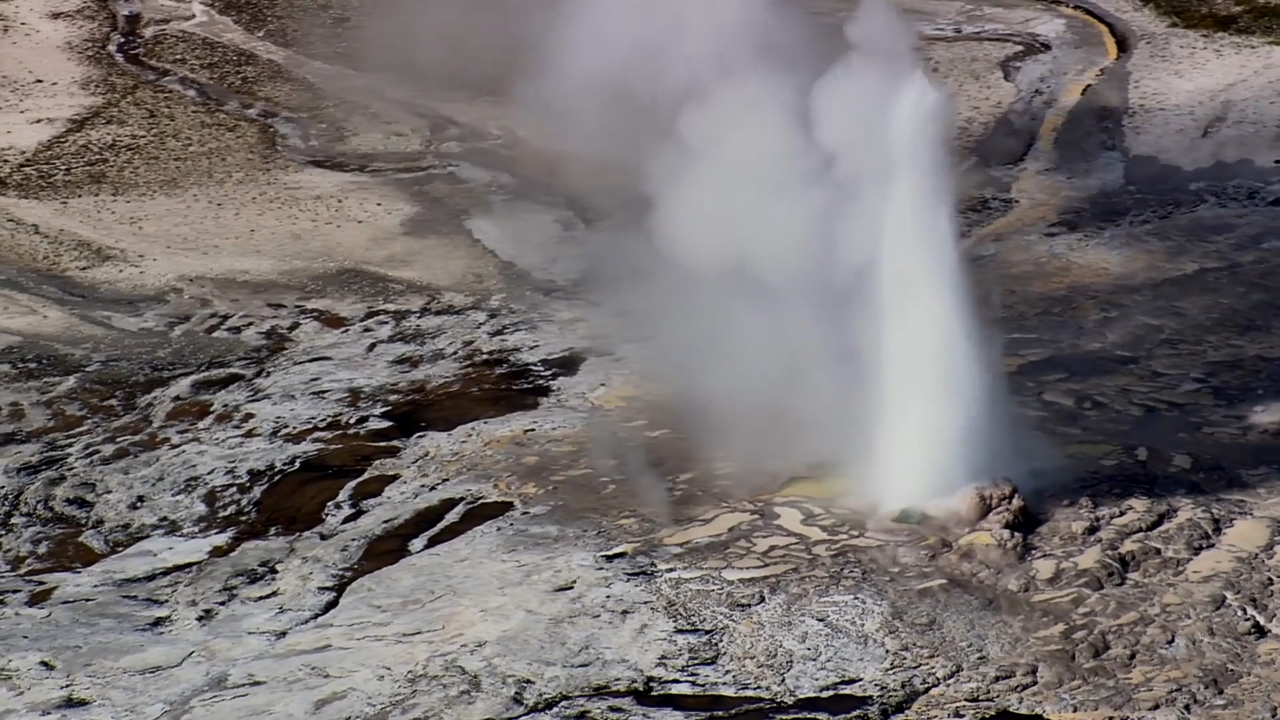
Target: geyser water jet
x: 811, y: 301
x: 934, y: 398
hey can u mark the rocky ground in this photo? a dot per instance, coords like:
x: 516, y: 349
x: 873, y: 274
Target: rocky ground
x: 300, y: 417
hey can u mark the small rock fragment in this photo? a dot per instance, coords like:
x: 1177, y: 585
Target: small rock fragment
x: 997, y: 507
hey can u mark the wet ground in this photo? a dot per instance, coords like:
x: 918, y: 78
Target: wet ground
x: 280, y: 438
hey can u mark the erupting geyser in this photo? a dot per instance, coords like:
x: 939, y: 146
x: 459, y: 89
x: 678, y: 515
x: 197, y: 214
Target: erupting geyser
x: 935, y: 401
x: 811, y: 300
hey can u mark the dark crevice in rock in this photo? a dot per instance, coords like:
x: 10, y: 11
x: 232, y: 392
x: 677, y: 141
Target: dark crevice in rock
x: 372, y: 487
x: 706, y: 706
x: 166, y: 572
x: 704, y: 703
x: 470, y: 519
x: 394, y: 545
x: 74, y: 702
x: 369, y: 488
x: 64, y: 551
x: 390, y: 548
x: 1011, y: 715
x: 487, y: 389
x: 1075, y: 366
x: 563, y: 366
x: 214, y: 382
x: 816, y: 707
x: 490, y: 388
x: 295, y: 502
x: 39, y: 597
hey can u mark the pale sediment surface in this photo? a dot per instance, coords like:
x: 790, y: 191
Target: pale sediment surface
x: 971, y: 70
x: 1217, y: 114
x: 40, y: 79
x: 282, y: 439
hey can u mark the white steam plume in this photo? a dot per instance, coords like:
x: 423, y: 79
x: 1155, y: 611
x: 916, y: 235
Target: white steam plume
x: 808, y: 300
x: 614, y: 75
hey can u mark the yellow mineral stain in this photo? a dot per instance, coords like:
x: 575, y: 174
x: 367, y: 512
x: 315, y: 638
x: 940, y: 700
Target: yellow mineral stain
x: 750, y: 574
x: 981, y: 537
x: 1039, y: 199
x: 1131, y: 545
x: 817, y: 511
x: 1139, y: 505
x: 1184, y: 515
x: 1248, y: 535
x: 1269, y: 647
x: 891, y: 537
x: 1044, y: 569
x: 1139, y: 676
x: 623, y: 549
x: 506, y: 486
x: 776, y: 541
x: 718, y: 526
x: 611, y: 398
x: 1090, y: 558
x: 1127, y: 518
x: 1053, y: 632
x: 934, y: 542
x: 1127, y: 619
x: 1171, y: 599
x: 1055, y: 596
x: 792, y: 520
x: 815, y: 488
x: 862, y: 542
x: 1093, y: 450
x: 501, y: 441
x: 688, y: 574
x: 1213, y: 561
x: 930, y: 584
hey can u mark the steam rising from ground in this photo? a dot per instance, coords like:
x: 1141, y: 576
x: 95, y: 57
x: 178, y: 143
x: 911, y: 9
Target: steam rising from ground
x: 793, y: 264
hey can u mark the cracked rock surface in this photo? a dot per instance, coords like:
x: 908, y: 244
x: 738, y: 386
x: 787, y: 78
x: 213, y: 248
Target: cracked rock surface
x: 290, y: 428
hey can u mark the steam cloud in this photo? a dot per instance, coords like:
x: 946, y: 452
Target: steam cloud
x: 793, y: 264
